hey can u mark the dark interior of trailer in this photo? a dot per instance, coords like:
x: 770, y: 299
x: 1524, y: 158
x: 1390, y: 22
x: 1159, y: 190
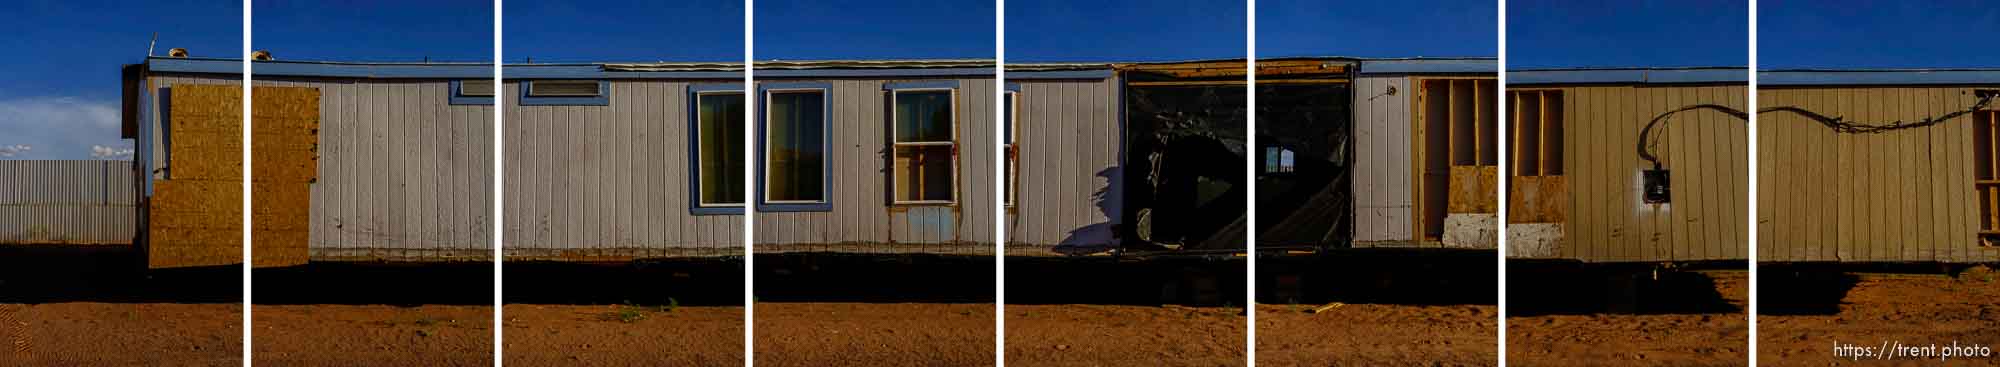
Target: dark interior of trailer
x: 1185, y: 138
x: 1305, y: 182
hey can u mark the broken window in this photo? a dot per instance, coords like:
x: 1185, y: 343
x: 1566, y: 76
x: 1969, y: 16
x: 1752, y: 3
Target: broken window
x: 719, y: 128
x: 795, y: 146
x: 924, y: 146
x: 1986, y: 171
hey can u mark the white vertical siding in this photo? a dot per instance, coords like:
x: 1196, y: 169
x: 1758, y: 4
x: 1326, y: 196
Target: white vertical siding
x: 1069, y: 139
x: 862, y: 218
x: 402, y: 173
x: 1382, y: 159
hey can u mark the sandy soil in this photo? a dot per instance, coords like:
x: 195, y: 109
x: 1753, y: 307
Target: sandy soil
x: 372, y: 335
x: 874, y: 334
x: 1700, y: 339
x: 1095, y: 335
x: 1376, y: 335
x: 569, y: 335
x: 121, y: 334
x: 1908, y: 310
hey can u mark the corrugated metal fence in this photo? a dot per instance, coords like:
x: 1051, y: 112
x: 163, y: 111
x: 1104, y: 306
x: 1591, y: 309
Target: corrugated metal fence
x: 67, y: 202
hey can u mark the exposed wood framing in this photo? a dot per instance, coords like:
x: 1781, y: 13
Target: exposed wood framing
x: 1453, y: 151
x: 1539, y: 191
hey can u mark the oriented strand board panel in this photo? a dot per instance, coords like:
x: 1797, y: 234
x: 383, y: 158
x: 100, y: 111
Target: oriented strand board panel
x: 1472, y: 190
x: 195, y: 216
x: 285, y: 144
x: 1606, y: 219
x: 1537, y: 199
x: 1901, y: 196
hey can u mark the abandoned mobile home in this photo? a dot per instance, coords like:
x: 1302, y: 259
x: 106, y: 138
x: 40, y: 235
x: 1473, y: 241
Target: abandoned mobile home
x: 1612, y: 165
x: 1878, y: 166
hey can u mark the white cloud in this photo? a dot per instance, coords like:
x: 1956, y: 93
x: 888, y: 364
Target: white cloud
x: 112, y: 153
x: 8, y: 151
x: 63, y: 127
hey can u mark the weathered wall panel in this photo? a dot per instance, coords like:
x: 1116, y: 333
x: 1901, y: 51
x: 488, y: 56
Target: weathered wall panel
x: 1705, y: 151
x: 1069, y: 141
x: 1898, y: 196
x: 403, y: 175
x: 1382, y: 159
x: 67, y: 202
x: 862, y: 220
x: 607, y: 181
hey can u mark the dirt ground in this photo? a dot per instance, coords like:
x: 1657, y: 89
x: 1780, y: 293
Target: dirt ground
x: 1101, y: 335
x: 874, y: 334
x: 1683, y: 339
x: 617, y: 335
x: 372, y: 335
x: 121, y: 334
x: 1912, y: 311
x: 1376, y: 335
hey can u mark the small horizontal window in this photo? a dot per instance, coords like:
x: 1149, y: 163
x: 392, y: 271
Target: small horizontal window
x: 565, y: 93
x: 565, y: 88
x: 472, y: 92
x: 476, y: 88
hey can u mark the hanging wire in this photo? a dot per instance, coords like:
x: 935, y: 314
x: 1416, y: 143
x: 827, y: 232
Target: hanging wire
x: 1837, y: 123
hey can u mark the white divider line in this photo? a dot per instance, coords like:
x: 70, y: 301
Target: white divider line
x: 749, y: 185
x: 499, y: 188
x: 1250, y: 176
x: 1000, y: 125
x: 247, y: 260
x: 1500, y: 251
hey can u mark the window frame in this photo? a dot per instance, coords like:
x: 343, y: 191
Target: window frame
x: 603, y: 97
x: 459, y: 98
x: 1012, y: 103
x: 695, y: 204
x: 764, y: 202
x: 895, y: 90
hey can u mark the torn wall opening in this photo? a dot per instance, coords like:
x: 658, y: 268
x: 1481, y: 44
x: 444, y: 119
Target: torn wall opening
x: 1305, y: 182
x: 1185, y: 137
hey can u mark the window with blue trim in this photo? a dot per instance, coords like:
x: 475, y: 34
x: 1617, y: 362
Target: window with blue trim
x: 472, y: 92
x: 795, y: 150
x: 565, y: 93
x: 718, y: 131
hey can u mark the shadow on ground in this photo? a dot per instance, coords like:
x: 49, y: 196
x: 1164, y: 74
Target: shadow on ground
x: 1208, y: 280
x: 375, y: 283
x: 832, y: 277
x: 1382, y: 276
x: 1536, y: 288
x: 692, y: 282
x: 108, y: 273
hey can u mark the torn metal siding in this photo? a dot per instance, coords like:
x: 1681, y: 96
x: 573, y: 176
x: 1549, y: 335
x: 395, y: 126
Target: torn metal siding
x: 403, y: 175
x: 861, y: 219
x: 83, y: 202
x: 1070, y: 180
x: 1898, y: 196
x: 607, y: 182
x: 1382, y: 159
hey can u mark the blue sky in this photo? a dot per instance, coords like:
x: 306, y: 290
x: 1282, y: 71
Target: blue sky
x: 1877, y: 34
x: 1650, y: 33
x: 874, y: 29
x: 374, y: 30
x: 1377, y: 29
x: 1124, y: 30
x: 614, y: 30
x: 61, y: 66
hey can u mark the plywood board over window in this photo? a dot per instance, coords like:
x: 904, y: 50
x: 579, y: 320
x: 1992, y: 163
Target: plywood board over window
x: 1538, y: 192
x: 1456, y: 150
